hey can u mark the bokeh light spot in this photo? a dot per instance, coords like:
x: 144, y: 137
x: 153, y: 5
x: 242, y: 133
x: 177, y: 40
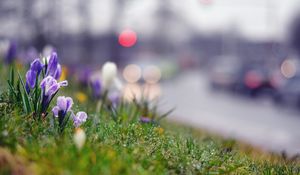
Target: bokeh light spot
x: 132, y: 73
x: 288, y: 68
x: 152, y: 74
x: 127, y: 38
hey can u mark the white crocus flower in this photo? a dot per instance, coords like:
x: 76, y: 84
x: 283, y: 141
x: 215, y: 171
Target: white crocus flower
x: 79, y: 138
x: 109, y: 74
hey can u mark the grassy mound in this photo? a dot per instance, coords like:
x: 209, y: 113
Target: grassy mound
x: 117, y: 140
x: 28, y: 147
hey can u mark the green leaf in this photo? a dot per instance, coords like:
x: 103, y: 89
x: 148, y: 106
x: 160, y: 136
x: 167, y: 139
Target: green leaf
x: 11, y: 82
x: 12, y: 76
x: 25, y: 97
x: 166, y: 114
x: 12, y: 89
x: 36, y: 93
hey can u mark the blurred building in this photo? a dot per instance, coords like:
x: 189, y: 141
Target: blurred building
x: 87, y: 31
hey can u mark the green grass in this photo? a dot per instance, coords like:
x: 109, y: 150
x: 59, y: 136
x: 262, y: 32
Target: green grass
x: 125, y: 146
x: 118, y: 148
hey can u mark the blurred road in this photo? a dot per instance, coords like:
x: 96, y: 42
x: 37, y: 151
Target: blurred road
x: 255, y: 121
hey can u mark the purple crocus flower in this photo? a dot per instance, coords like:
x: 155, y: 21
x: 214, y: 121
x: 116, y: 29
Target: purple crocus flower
x: 11, y: 54
x: 37, y: 65
x: 57, y: 74
x: 145, y: 119
x: 50, y: 87
x: 63, y: 106
x: 33, y: 73
x: 79, y: 118
x: 84, y: 76
x: 96, y: 88
x: 53, y: 67
x: 30, y: 80
x: 114, y: 98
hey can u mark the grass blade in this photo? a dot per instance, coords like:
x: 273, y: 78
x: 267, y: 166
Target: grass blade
x: 25, y: 97
x: 166, y: 114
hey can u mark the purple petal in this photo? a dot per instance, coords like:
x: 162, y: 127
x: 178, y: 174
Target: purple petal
x: 36, y: 65
x: 46, y: 82
x: 57, y: 72
x: 114, y: 98
x: 52, y: 64
x: 55, y: 111
x: 63, y: 83
x: 31, y: 78
x: 11, y: 53
x: 79, y: 118
x: 62, y: 103
x: 96, y: 88
x: 52, y: 90
x: 145, y: 119
x: 49, y: 80
x: 43, y: 83
x: 69, y: 101
x: 84, y: 76
x: 82, y: 116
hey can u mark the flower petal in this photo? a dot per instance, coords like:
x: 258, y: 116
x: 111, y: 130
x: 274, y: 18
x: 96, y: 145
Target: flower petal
x: 96, y: 88
x: 52, y: 89
x: 47, y: 81
x: 36, y: 66
x: 63, y: 83
x: 69, y: 103
x: 82, y: 116
x: 62, y: 103
x: 55, y: 111
x: 79, y: 118
x: 52, y: 64
x: 31, y: 78
x: 57, y: 73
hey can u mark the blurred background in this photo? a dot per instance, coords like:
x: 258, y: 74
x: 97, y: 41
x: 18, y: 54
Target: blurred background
x: 229, y: 66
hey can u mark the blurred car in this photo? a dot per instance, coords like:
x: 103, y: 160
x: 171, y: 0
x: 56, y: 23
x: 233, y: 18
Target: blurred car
x: 230, y: 73
x: 289, y: 93
x: 255, y: 80
x: 224, y: 72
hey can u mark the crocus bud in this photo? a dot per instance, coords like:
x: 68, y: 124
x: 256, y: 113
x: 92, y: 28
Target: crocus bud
x: 79, y: 138
x: 58, y: 71
x: 32, y: 74
x: 11, y: 53
x: 96, y: 87
x: 109, y: 73
x: 52, y: 64
x: 30, y: 79
x: 37, y: 66
x: 79, y: 118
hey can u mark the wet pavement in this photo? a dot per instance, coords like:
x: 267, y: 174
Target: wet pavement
x: 255, y: 121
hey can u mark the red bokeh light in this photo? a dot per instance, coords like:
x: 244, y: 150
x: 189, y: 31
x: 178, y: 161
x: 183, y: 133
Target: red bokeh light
x: 127, y: 38
x: 253, y: 79
x: 206, y: 2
